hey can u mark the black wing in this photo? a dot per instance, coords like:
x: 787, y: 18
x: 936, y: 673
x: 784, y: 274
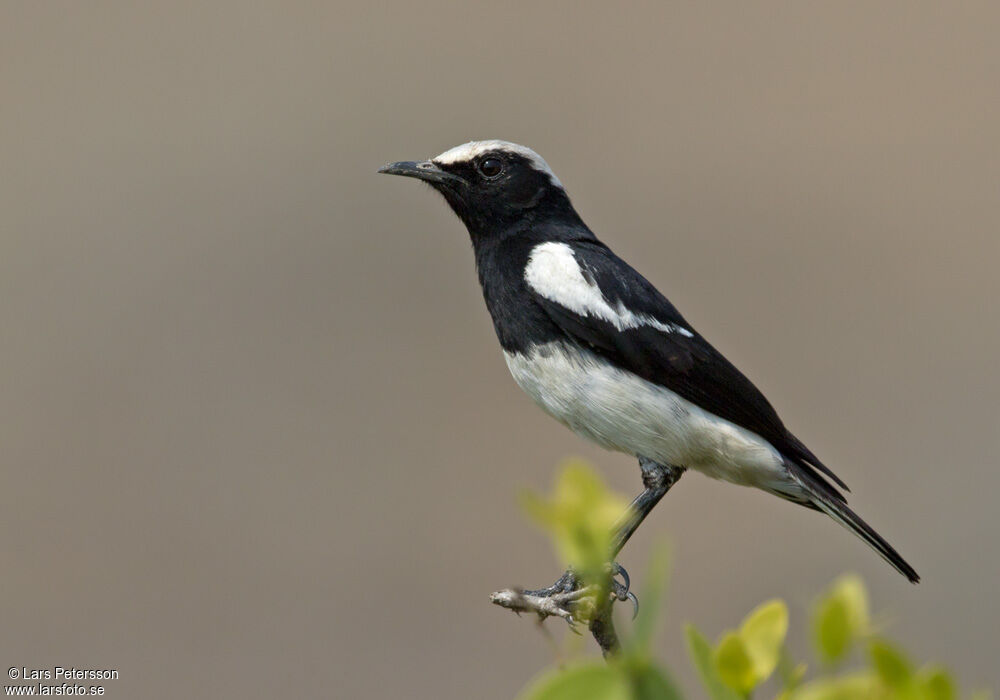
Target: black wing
x: 680, y: 360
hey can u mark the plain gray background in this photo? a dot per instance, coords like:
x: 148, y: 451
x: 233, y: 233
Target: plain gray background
x: 257, y: 438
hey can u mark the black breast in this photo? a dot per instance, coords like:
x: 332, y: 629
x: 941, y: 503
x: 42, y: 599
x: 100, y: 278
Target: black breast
x: 519, y: 322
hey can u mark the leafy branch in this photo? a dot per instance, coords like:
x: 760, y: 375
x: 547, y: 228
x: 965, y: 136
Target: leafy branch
x: 579, y: 517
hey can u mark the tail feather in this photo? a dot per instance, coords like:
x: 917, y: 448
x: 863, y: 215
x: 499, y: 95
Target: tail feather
x: 833, y: 504
x: 805, y: 458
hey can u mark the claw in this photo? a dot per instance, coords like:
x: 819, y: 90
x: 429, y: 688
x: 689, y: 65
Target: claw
x: 620, y: 590
x: 619, y: 570
x: 559, y: 599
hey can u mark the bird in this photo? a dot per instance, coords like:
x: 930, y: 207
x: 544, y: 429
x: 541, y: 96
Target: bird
x: 601, y: 350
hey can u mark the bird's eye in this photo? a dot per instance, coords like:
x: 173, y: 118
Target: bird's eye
x: 490, y: 167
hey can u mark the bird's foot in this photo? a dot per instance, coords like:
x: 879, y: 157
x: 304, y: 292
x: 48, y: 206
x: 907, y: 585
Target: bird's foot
x: 563, y: 597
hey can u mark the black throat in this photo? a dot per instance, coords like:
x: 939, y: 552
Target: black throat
x: 501, y: 258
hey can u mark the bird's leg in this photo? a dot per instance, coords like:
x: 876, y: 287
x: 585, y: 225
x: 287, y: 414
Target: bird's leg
x: 657, y: 479
x: 560, y: 598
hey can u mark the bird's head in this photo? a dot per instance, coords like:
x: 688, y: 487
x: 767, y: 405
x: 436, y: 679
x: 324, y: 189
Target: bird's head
x: 493, y: 186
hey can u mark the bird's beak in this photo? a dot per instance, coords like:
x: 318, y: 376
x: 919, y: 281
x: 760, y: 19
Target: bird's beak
x: 425, y: 170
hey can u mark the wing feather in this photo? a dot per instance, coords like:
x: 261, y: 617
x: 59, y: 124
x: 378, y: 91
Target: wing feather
x: 651, y: 339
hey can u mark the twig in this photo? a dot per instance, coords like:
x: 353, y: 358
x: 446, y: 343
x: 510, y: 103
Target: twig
x: 601, y: 624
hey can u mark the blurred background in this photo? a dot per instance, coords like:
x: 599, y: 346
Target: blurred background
x: 256, y: 434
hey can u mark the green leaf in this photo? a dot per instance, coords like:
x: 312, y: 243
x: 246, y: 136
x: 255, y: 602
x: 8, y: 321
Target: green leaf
x: 832, y: 629
x: 650, y: 682
x: 746, y: 658
x: 937, y: 684
x: 841, y: 618
x: 791, y: 673
x: 653, y: 594
x: 858, y: 686
x: 594, y: 681
x: 763, y: 632
x: 891, y: 665
x: 580, y: 516
x: 851, y: 589
x: 735, y: 666
x: 701, y: 655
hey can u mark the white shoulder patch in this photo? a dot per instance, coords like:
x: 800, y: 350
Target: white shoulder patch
x: 554, y: 273
x: 471, y: 150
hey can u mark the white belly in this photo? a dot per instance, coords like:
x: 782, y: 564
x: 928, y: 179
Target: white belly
x: 624, y: 412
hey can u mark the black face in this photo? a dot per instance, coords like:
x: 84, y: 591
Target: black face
x: 494, y: 192
x: 500, y: 189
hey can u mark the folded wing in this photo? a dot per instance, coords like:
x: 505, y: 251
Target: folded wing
x: 601, y: 303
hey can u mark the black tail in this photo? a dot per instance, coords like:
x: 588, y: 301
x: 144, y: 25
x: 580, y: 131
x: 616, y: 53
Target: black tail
x: 825, y: 498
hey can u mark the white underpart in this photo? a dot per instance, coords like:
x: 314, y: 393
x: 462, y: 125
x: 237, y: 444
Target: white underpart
x: 553, y: 272
x: 621, y: 411
x: 473, y: 149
